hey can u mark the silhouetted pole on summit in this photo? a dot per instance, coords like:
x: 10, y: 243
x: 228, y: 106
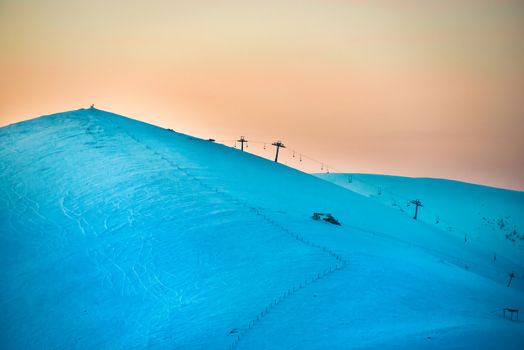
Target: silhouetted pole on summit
x: 242, y: 140
x: 278, y: 144
x: 417, y: 204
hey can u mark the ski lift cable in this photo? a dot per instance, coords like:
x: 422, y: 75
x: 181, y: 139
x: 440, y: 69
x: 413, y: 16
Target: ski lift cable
x: 328, y: 166
x: 395, y: 196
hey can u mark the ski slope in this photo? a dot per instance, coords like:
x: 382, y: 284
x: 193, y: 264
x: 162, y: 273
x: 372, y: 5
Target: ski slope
x: 116, y: 234
x: 487, y: 216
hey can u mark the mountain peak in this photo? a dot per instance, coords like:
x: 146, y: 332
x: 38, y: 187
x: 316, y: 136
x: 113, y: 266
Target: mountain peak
x: 120, y: 234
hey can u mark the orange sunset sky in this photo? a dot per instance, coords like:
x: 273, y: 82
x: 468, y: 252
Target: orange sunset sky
x: 409, y: 87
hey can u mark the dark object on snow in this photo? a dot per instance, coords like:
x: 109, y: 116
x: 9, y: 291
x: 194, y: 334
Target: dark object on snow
x: 511, y: 277
x: 316, y: 216
x: 329, y: 218
x: 511, y: 312
x: 326, y: 217
x: 211, y: 140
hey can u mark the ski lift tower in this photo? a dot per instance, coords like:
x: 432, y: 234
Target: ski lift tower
x: 242, y: 140
x: 278, y: 145
x: 417, y: 203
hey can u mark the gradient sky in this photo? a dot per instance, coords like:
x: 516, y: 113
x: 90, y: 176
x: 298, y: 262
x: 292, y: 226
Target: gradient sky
x: 419, y: 88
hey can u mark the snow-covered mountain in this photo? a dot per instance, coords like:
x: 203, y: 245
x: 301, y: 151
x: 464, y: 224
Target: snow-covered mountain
x: 116, y: 234
x: 488, y: 216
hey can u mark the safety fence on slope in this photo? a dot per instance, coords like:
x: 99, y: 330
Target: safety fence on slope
x: 468, y: 265
x: 340, y: 262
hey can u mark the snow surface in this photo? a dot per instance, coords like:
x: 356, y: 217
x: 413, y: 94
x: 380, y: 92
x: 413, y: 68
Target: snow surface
x: 116, y: 234
x: 481, y: 215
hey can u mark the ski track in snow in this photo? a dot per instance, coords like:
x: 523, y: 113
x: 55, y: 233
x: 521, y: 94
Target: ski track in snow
x: 340, y: 263
x: 138, y: 264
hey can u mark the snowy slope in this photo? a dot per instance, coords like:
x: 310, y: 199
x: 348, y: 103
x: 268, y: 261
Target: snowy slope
x: 119, y: 234
x: 487, y: 216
